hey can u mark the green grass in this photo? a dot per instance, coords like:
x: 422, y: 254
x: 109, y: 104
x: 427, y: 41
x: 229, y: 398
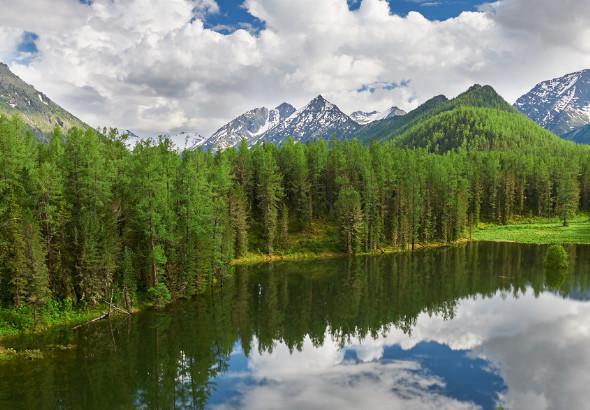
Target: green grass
x: 537, y: 231
x: 17, y: 320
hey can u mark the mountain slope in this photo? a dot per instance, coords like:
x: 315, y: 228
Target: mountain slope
x: 561, y: 104
x: 389, y: 127
x: 475, y: 96
x: 477, y: 128
x: 478, y: 119
x: 364, y: 117
x: 36, y: 109
x: 188, y: 140
x: 250, y: 126
x: 580, y: 135
x: 318, y: 119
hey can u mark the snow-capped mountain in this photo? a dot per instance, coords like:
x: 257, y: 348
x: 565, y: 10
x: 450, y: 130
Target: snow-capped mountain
x: 560, y: 105
x: 318, y: 119
x: 188, y: 140
x: 363, y: 117
x: 182, y: 141
x: 250, y: 126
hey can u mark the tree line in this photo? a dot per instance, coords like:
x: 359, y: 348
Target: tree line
x: 85, y: 219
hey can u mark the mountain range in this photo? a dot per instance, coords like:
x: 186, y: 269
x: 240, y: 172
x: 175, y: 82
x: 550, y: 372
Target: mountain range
x: 561, y: 105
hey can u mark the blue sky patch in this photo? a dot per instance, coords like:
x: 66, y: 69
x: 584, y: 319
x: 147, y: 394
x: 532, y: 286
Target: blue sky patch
x: 466, y: 378
x: 27, y: 48
x: 383, y: 85
x: 231, y: 17
x: 431, y: 9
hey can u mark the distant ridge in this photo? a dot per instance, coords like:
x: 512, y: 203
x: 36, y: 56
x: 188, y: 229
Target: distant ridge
x: 249, y: 126
x: 478, y: 119
x: 37, y: 110
x: 561, y: 104
x: 475, y: 96
x: 389, y: 127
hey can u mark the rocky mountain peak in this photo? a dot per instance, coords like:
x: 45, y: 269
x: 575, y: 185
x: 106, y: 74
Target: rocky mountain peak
x: 560, y: 104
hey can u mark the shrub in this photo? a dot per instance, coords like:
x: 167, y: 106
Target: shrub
x: 159, y: 295
x: 556, y: 257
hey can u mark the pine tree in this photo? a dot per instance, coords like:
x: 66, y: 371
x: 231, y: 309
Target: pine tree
x: 283, y: 226
x: 239, y: 220
x: 37, y: 274
x: 568, y: 193
x: 350, y: 219
x: 269, y: 193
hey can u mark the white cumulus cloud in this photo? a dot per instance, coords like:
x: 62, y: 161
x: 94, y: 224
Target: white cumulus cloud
x: 153, y: 67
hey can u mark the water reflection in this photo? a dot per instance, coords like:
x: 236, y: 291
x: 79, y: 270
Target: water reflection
x: 471, y: 327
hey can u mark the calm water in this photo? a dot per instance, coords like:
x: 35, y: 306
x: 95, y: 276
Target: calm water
x: 479, y: 326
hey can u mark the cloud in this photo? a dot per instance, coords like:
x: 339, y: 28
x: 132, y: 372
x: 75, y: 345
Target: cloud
x: 10, y: 39
x: 538, y: 345
x: 204, y: 7
x: 317, y: 378
x: 561, y: 23
x: 153, y: 65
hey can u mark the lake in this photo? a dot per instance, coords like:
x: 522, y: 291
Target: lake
x: 481, y: 325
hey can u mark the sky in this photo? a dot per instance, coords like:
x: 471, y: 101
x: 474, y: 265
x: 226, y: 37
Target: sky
x: 165, y: 66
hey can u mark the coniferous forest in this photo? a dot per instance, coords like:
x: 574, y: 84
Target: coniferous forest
x: 86, y: 220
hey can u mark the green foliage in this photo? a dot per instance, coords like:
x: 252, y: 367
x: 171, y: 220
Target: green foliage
x: 381, y: 130
x: 476, y: 97
x: 556, y: 257
x: 477, y: 129
x: 54, y: 312
x: 85, y: 220
x: 159, y: 295
x: 350, y: 218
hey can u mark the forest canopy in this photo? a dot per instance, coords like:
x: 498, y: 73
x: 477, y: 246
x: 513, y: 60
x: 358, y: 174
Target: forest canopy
x: 85, y: 219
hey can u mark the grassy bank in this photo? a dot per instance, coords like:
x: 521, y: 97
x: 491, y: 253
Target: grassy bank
x: 320, y: 242
x: 257, y: 258
x: 24, y: 319
x: 14, y: 321
x: 537, y: 231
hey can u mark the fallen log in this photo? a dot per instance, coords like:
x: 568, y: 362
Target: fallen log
x: 102, y: 317
x: 123, y: 311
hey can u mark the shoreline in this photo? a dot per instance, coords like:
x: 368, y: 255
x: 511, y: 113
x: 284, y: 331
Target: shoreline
x: 260, y: 258
x: 538, y: 231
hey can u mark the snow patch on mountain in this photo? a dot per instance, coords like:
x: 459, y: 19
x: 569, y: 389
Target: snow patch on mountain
x: 249, y: 126
x: 182, y: 141
x: 561, y: 104
x: 364, y: 118
x: 188, y: 140
x: 318, y: 119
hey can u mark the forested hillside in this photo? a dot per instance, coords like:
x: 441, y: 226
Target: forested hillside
x: 387, y: 128
x: 478, y: 129
x: 476, y: 96
x: 86, y: 220
x: 37, y: 110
